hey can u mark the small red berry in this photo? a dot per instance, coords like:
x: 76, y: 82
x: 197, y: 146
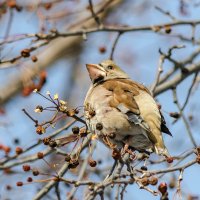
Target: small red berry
x: 170, y: 159
x: 40, y: 130
x: 144, y: 181
x: 26, y: 168
x: 162, y: 188
x: 18, y: 150
x: 92, y: 163
x: 153, y: 180
x: 8, y: 187
x: 34, y: 58
x: 29, y: 179
x: 102, y: 49
x: 19, y: 183
x: 40, y: 155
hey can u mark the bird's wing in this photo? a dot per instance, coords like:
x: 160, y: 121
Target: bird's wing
x: 124, y: 93
x: 136, y: 102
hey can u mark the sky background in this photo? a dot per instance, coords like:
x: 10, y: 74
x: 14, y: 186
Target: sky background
x: 136, y: 52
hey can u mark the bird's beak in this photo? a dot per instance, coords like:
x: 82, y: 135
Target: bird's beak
x: 95, y: 71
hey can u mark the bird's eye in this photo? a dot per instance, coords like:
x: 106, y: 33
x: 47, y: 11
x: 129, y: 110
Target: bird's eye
x: 110, y: 67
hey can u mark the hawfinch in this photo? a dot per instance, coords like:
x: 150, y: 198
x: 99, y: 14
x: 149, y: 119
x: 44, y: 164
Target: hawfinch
x: 123, y: 112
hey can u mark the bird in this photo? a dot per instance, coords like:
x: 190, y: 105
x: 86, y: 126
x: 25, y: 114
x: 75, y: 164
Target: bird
x: 123, y: 112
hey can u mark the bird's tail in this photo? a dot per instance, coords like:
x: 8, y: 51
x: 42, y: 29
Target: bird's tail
x: 162, y: 151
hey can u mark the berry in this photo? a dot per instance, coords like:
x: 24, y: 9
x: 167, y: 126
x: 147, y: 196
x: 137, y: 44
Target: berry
x: 153, y: 180
x: 40, y: 155
x: 26, y: 168
x: 19, y: 183
x: 29, y: 179
x: 34, y: 58
x: 25, y: 53
x: 67, y: 158
x: 99, y: 126
x: 144, y: 181
x: 116, y: 154
x: 92, y: 163
x: 35, y: 172
x: 162, y: 188
x: 73, y: 163
x: 52, y: 143
x: 170, y: 159
x: 18, y: 150
x: 75, y: 130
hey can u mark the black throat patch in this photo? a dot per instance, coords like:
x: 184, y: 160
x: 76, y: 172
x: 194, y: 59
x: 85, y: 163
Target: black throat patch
x: 98, y: 80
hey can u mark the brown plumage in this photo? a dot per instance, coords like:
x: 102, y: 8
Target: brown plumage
x: 125, y: 109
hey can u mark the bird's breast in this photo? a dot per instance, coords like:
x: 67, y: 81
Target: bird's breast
x: 98, y: 103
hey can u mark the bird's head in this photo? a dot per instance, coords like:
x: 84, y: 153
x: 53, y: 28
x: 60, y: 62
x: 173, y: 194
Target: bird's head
x: 106, y: 70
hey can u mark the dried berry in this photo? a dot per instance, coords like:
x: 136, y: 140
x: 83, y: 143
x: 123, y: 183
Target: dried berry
x: 162, y: 188
x: 168, y: 29
x: 73, y: 163
x: 16, y: 141
x: 52, y: 143
x: 34, y: 58
x: 8, y: 187
x: 29, y: 179
x: 198, y: 159
x: 99, y: 126
x: 76, y: 111
x: 11, y: 3
x: 18, y: 150
x: 47, y: 6
x: 75, y: 130
x: 92, y: 113
x: 116, y: 154
x: 153, y: 180
x: 102, y: 49
x: 144, y: 181
x: 170, y: 159
x: 40, y: 130
x: 71, y: 113
x: 25, y: 53
x: 19, y: 183
x: 26, y: 168
x: 40, y: 155
x: 92, y: 163
x: 174, y: 115
x: 144, y: 168
x: 7, y: 149
x: 35, y: 172
x: 67, y: 158
x: 46, y: 141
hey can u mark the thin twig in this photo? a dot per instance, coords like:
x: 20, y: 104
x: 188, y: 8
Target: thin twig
x: 94, y: 15
x: 114, y: 45
x: 167, y: 13
x: 184, y: 118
